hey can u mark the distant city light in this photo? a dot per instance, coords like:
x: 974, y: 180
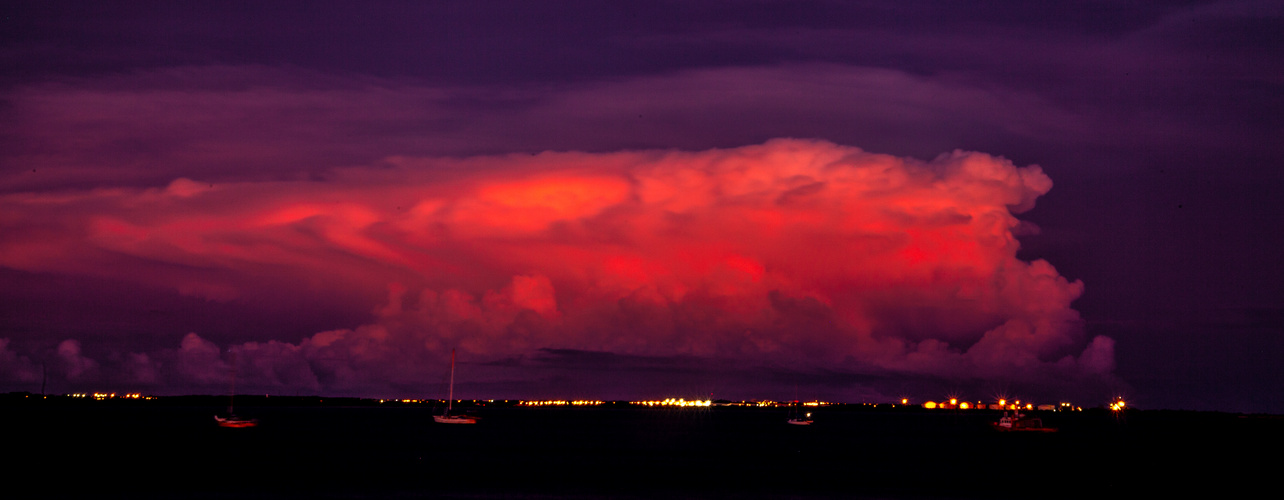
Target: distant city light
x: 560, y: 403
x: 675, y: 402
x: 951, y: 403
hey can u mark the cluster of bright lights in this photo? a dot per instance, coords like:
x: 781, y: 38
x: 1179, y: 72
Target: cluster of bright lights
x: 675, y: 402
x: 479, y: 402
x: 1118, y: 405
x: 1003, y: 404
x: 1016, y: 405
x: 578, y: 402
x: 108, y: 395
x: 952, y: 404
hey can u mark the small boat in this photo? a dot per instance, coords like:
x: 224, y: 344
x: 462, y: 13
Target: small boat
x: 231, y: 420
x: 447, y: 418
x: 454, y: 419
x: 1018, y: 422
x: 234, y: 421
x: 797, y: 417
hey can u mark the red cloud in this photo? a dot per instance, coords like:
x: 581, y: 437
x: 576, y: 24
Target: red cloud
x: 796, y: 250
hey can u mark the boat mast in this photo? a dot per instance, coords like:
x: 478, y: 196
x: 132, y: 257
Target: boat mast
x: 231, y: 375
x: 450, y: 398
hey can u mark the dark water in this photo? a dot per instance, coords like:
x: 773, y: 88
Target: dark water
x: 375, y: 452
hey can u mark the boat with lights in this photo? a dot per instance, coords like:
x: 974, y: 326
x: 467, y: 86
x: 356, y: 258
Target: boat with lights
x: 231, y: 420
x: 234, y: 421
x: 447, y: 418
x: 1019, y: 422
x: 797, y: 416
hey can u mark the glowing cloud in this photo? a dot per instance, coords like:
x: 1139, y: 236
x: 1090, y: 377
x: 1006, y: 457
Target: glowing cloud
x: 790, y: 250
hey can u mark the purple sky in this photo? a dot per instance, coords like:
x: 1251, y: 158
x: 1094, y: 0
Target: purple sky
x: 854, y: 201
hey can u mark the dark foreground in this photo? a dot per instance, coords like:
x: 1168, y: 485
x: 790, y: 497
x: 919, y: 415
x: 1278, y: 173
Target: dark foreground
x: 100, y: 451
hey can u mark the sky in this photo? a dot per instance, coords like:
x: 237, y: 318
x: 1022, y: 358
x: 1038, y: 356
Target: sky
x: 845, y: 201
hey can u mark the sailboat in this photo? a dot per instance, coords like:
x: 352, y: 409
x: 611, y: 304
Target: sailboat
x: 231, y: 420
x: 797, y: 417
x: 447, y: 418
x: 234, y: 421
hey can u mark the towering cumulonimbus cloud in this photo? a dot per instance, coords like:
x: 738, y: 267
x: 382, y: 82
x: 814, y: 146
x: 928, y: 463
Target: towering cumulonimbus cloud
x: 786, y: 251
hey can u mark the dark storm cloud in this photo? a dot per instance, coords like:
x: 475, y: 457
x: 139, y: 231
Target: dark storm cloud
x: 230, y: 123
x: 1086, y: 75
